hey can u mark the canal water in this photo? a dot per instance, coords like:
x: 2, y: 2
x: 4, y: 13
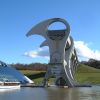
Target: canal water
x: 52, y: 93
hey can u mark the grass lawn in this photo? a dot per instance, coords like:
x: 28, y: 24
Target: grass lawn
x: 93, y: 78
x: 36, y: 76
x: 84, y: 74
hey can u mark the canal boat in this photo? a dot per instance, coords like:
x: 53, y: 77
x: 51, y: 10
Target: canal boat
x: 9, y: 85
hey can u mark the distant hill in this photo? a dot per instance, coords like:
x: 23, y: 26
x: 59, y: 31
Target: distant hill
x: 82, y: 68
x: 32, y: 66
x: 93, y: 63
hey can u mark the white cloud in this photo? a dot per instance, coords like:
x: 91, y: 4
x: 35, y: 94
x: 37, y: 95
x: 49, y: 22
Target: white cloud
x: 40, y: 52
x: 84, y: 52
x: 82, y: 49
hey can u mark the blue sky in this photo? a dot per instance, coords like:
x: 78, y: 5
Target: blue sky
x: 18, y: 16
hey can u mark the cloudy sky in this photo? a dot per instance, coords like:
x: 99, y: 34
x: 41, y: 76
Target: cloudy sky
x: 18, y: 16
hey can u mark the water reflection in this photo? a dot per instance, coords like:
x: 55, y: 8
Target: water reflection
x: 8, y: 90
x: 52, y: 93
x: 90, y: 93
x: 62, y: 94
x: 74, y: 94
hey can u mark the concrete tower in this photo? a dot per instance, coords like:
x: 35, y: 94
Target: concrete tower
x: 63, y: 58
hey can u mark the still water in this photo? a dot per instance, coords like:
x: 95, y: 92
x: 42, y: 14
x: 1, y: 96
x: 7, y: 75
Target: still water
x: 52, y: 93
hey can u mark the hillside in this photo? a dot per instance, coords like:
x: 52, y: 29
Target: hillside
x: 93, y: 63
x: 86, y: 74
x: 85, y: 68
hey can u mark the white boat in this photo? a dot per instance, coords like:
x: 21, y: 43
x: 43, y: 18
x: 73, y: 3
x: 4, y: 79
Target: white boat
x: 9, y: 85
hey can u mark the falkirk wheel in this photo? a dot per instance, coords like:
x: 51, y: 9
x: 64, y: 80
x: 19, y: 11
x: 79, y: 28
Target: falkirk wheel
x: 63, y: 59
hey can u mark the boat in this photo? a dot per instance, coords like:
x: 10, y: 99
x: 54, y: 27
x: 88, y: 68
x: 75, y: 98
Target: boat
x: 9, y: 85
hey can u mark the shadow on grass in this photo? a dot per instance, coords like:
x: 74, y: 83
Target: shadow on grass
x: 37, y: 75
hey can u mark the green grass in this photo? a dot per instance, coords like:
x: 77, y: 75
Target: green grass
x: 84, y: 74
x: 36, y: 76
x: 86, y: 69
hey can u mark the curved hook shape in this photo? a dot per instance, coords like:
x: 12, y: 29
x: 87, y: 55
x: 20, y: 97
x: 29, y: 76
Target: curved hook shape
x: 42, y: 27
x: 44, y: 43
